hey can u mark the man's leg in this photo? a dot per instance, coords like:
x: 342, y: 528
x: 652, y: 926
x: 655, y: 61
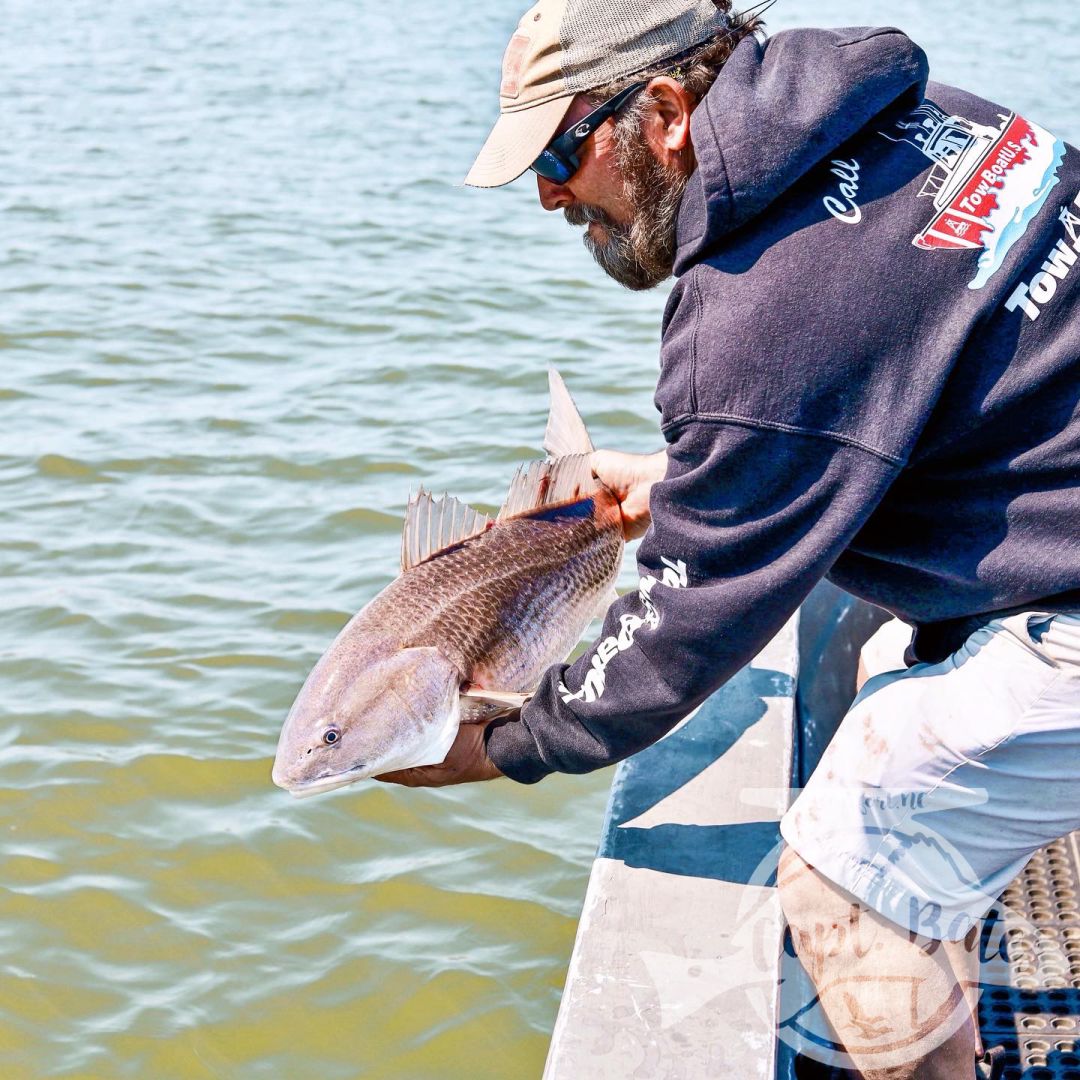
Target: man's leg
x: 893, y: 998
x: 964, y: 958
x: 885, y: 652
x: 940, y: 783
x: 822, y: 916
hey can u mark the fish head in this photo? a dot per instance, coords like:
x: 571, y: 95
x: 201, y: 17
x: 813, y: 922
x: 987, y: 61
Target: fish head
x: 351, y: 721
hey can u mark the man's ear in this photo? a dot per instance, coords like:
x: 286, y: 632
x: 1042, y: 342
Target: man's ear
x: 667, y: 123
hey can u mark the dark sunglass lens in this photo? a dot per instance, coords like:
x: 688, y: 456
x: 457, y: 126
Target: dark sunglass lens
x: 552, y: 168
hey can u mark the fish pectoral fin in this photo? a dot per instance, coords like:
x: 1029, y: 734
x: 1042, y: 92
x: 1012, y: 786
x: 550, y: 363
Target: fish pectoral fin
x: 433, y: 525
x: 503, y: 697
x: 566, y: 432
x: 478, y: 704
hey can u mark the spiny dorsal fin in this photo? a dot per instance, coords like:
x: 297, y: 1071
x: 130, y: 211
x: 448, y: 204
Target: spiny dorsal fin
x: 566, y: 434
x: 433, y: 525
x: 545, y: 483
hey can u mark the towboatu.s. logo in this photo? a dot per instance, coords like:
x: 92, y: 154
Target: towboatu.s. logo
x: 987, y: 183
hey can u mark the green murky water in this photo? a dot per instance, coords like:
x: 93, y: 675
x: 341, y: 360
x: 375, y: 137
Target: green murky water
x: 245, y: 309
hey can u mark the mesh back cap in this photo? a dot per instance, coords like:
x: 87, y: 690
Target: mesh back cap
x: 565, y: 47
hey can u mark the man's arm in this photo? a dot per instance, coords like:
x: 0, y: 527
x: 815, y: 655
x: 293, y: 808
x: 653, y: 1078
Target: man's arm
x: 745, y: 522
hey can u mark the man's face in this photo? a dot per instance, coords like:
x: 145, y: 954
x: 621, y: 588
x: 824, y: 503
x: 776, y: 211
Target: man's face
x: 626, y: 199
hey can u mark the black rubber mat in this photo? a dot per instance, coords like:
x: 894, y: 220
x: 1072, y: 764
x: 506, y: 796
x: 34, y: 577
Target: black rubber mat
x: 1031, y: 968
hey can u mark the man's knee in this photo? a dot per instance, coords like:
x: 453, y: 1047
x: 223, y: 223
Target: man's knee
x: 825, y: 920
x: 805, y: 896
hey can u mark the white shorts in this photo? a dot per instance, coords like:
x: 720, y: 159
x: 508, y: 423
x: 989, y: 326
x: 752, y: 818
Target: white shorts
x: 943, y: 779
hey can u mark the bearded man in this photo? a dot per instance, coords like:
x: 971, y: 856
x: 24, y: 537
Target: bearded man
x: 869, y: 371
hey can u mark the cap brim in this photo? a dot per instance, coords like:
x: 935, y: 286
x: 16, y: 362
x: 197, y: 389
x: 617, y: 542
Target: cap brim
x: 515, y: 143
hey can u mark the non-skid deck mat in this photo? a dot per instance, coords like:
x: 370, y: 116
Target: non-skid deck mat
x: 1031, y: 969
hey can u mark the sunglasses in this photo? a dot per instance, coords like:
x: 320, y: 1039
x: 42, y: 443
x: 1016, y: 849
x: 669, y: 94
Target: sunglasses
x: 558, y: 160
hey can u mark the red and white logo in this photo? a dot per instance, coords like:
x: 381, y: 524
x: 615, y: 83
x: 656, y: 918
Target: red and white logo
x: 986, y: 184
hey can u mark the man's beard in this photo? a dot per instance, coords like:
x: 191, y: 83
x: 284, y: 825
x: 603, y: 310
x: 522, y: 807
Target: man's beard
x: 640, y: 254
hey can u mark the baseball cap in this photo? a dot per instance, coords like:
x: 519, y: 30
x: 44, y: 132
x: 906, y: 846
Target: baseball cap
x: 564, y: 47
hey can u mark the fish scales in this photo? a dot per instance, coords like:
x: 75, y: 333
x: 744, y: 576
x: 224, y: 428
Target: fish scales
x: 498, y: 605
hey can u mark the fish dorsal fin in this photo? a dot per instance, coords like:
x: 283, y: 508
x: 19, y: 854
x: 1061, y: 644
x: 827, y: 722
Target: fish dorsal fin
x: 547, y: 483
x: 566, y: 434
x: 433, y: 525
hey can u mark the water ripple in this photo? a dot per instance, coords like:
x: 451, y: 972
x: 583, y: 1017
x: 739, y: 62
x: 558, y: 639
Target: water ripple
x: 246, y: 309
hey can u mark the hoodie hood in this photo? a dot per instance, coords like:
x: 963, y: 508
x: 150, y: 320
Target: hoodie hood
x: 779, y: 108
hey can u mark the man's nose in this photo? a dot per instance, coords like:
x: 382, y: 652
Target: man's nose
x: 553, y: 196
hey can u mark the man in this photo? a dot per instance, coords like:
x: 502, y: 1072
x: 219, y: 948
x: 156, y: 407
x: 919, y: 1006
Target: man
x: 869, y: 370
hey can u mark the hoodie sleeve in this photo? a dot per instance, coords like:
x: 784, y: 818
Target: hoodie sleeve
x: 744, y: 524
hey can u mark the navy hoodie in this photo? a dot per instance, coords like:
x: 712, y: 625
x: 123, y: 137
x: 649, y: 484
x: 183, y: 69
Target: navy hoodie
x: 870, y: 371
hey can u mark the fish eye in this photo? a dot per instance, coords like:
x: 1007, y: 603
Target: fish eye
x: 331, y: 736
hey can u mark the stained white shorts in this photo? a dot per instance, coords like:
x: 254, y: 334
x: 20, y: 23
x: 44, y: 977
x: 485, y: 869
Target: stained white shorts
x: 943, y: 779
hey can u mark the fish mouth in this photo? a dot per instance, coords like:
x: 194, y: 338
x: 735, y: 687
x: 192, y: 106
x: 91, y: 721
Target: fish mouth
x: 306, y: 788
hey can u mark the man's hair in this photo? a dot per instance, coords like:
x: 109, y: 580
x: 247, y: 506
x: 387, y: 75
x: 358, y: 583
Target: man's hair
x: 695, y: 70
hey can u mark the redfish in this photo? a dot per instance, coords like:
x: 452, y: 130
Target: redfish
x: 480, y: 609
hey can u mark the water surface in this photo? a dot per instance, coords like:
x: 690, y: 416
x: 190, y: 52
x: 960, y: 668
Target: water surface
x: 245, y: 307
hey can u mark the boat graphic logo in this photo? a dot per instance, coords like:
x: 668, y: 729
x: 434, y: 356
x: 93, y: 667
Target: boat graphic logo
x: 987, y: 183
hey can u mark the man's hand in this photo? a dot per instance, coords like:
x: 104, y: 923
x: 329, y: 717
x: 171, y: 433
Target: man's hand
x: 630, y: 477
x: 467, y: 761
